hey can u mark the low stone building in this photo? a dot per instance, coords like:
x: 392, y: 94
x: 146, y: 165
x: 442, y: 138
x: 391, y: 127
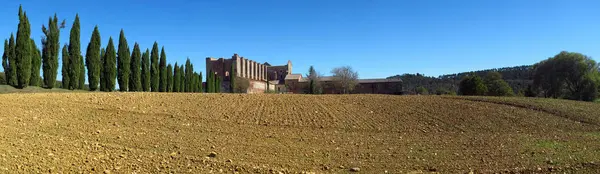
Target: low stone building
x: 279, y: 78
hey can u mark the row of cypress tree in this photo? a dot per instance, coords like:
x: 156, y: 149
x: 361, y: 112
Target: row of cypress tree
x: 134, y: 71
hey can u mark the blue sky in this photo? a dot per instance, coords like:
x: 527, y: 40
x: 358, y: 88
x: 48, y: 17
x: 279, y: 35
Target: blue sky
x: 378, y: 38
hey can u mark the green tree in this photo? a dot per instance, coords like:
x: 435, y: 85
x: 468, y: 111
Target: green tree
x: 162, y: 68
x: 50, y: 50
x: 496, y: 85
x: 422, y: 90
x: 23, y: 52
x: 188, y: 75
x: 313, y: 85
x: 135, y: 81
x: 81, y: 73
x: 169, y: 78
x: 472, y: 85
x: 101, y: 67
x: 154, y: 71
x: 194, y: 82
x: 181, y: 78
x: 123, y: 63
x: 12, y: 62
x: 567, y: 75
x: 176, y: 78
x: 66, y: 63
x: 209, y: 82
x: 92, y: 60
x: 5, y: 62
x: 146, y: 71
x: 200, y: 82
x: 110, y: 66
x: 75, y: 55
x: 36, y: 63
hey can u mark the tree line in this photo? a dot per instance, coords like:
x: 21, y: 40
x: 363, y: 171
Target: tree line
x: 567, y: 75
x: 133, y: 70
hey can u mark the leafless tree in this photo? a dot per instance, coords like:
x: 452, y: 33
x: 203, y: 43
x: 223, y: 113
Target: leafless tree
x: 345, y: 79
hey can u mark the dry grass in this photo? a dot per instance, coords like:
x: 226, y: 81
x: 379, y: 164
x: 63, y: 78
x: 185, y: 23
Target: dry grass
x: 159, y: 133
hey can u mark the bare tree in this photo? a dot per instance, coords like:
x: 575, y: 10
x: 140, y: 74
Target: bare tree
x: 345, y: 79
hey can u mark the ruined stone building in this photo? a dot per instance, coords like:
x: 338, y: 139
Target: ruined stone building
x: 279, y: 78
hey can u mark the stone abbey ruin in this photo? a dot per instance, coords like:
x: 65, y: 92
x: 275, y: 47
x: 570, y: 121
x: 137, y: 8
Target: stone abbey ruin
x: 280, y: 78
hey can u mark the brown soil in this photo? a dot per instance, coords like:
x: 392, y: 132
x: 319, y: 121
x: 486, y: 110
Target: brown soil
x: 202, y: 133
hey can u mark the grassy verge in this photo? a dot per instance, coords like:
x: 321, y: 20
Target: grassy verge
x: 5, y: 89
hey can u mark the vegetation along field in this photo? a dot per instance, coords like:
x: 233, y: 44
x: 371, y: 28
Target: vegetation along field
x: 200, y: 133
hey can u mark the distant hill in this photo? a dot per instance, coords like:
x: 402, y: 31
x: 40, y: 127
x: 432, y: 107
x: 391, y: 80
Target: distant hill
x: 517, y: 77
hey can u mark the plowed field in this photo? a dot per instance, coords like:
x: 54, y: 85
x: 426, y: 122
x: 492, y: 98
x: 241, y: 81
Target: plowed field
x: 163, y: 133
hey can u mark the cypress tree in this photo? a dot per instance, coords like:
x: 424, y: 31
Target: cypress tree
x: 169, y: 78
x: 146, y: 71
x: 50, y: 50
x: 110, y: 66
x: 195, y: 82
x: 123, y: 64
x: 162, y: 66
x: 66, y: 63
x: 23, y: 52
x: 101, y: 67
x: 181, y: 78
x: 81, y: 84
x: 232, y: 77
x: 36, y: 63
x: 188, y: 75
x: 5, y: 61
x: 176, y: 78
x: 75, y: 55
x: 154, y: 72
x: 210, y: 82
x: 135, y: 81
x: 92, y: 60
x: 12, y: 62
x: 200, y: 82
x: 218, y: 84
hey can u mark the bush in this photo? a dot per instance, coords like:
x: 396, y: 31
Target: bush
x: 472, y: 85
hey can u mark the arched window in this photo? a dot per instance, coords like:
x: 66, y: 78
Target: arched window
x: 226, y: 73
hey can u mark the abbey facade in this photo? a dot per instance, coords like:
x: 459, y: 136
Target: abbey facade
x: 279, y: 78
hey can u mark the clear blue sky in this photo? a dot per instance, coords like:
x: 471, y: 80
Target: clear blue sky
x: 378, y: 38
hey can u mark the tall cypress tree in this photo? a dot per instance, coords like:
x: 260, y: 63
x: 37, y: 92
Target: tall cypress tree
x: 188, y: 75
x: 176, y: 78
x: 169, y: 78
x: 75, y: 55
x: 50, y: 50
x: 66, y: 64
x: 194, y: 82
x: 154, y: 72
x: 110, y: 66
x: 146, y: 71
x: 81, y: 84
x: 181, y: 78
x: 12, y: 62
x: 209, y: 82
x: 23, y: 50
x: 123, y: 64
x: 135, y: 81
x: 162, y: 66
x: 92, y: 60
x: 5, y: 62
x: 200, y: 82
x: 101, y: 67
x: 36, y: 63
